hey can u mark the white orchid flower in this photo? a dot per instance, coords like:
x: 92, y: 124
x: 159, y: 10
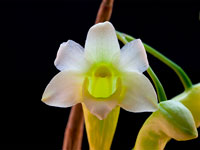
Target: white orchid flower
x: 101, y: 76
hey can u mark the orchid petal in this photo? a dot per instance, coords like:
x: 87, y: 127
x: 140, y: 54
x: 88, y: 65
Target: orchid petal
x: 64, y: 90
x: 102, y: 44
x: 70, y: 56
x: 139, y: 94
x: 133, y: 57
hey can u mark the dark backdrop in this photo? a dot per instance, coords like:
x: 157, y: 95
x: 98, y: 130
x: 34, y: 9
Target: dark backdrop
x: 31, y: 32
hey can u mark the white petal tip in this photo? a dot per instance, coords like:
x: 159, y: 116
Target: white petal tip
x: 103, y: 25
x: 100, y: 118
x: 49, y: 102
x: 100, y: 115
x: 100, y: 109
x: 45, y: 101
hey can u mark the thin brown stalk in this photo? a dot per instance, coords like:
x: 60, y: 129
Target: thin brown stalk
x: 105, y: 11
x: 74, y: 130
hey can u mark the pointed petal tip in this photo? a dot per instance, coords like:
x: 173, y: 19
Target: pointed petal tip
x: 194, y: 134
x: 100, y: 109
x: 44, y: 98
x: 99, y: 115
x: 63, y: 95
x: 143, y: 52
x: 141, y: 97
x: 138, y: 40
x: 45, y: 101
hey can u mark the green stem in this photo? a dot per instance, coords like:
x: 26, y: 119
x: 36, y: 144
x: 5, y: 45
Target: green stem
x: 159, y: 88
x: 178, y: 70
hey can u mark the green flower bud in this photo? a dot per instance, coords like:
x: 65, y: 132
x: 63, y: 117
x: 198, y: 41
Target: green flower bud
x: 191, y: 99
x: 171, y: 120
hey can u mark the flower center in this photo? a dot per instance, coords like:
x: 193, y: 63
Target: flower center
x: 102, y: 81
x: 103, y: 72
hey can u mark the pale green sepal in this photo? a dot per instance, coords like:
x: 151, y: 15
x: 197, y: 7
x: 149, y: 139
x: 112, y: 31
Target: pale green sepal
x: 191, y: 99
x: 100, y: 133
x: 171, y: 120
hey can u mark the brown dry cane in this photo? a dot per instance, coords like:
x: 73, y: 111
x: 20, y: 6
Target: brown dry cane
x: 74, y: 129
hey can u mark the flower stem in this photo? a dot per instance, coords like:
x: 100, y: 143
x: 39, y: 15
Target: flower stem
x: 178, y: 70
x: 74, y: 130
x: 105, y: 11
x: 159, y: 88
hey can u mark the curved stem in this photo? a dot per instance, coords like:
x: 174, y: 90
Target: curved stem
x: 178, y: 70
x: 159, y: 88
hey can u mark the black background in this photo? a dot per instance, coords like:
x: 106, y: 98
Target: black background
x: 30, y: 34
